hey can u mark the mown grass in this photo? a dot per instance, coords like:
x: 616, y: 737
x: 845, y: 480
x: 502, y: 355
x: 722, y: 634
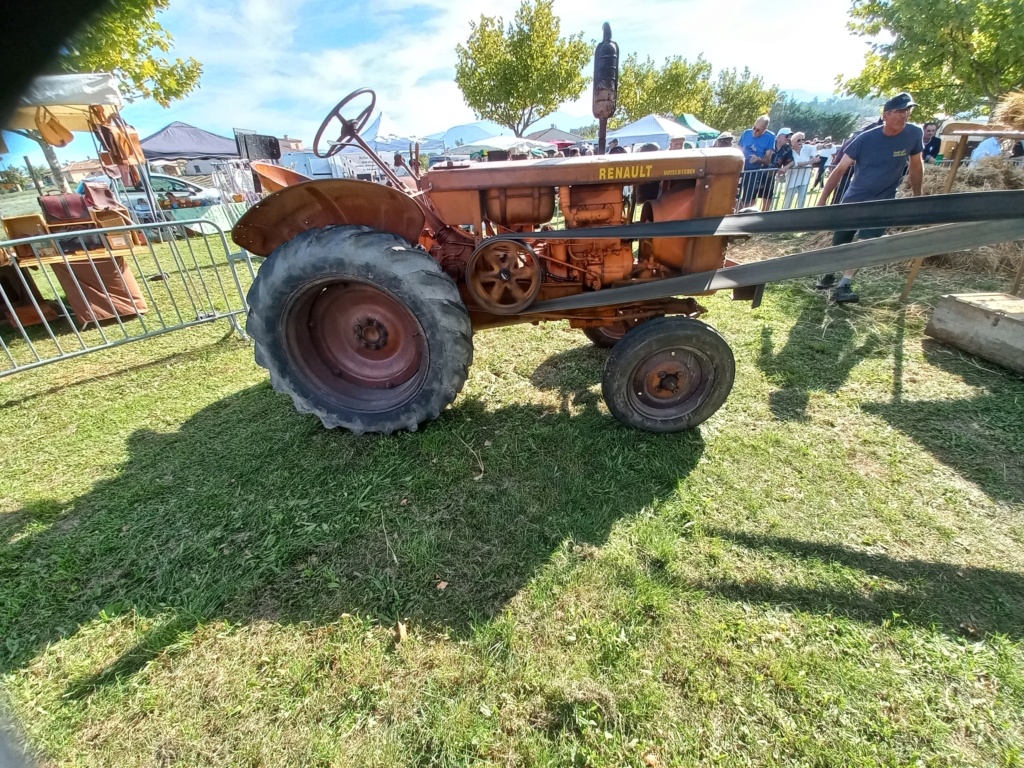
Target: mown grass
x: 828, y: 572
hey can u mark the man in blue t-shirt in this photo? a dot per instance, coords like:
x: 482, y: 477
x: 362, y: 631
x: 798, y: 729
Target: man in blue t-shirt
x: 758, y: 147
x: 881, y: 156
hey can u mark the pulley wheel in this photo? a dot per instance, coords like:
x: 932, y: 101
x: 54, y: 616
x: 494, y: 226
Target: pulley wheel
x: 503, y: 277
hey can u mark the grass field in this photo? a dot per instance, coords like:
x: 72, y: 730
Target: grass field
x: 21, y: 203
x: 829, y: 572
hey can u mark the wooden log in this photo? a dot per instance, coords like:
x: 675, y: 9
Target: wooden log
x: 989, y: 325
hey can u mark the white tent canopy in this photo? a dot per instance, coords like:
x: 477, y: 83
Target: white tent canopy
x: 654, y: 128
x: 67, y: 98
x: 503, y: 144
x: 469, y: 133
x: 383, y: 136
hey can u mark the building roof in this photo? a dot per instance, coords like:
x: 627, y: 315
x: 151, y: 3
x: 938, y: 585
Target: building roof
x: 81, y: 165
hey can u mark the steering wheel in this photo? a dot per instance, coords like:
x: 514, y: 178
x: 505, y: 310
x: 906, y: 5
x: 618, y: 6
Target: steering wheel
x: 349, y: 128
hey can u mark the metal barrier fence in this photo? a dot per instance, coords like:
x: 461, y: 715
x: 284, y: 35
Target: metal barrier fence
x: 63, y: 295
x: 768, y: 190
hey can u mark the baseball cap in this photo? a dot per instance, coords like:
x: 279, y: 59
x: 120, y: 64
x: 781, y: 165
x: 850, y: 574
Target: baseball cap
x: 785, y: 131
x: 613, y: 141
x: 900, y: 101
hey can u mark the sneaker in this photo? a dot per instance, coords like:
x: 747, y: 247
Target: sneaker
x: 843, y: 294
x: 825, y: 282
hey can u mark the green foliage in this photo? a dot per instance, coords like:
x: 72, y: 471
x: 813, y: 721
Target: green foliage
x: 739, y: 99
x: 731, y: 101
x: 519, y: 75
x: 586, y: 131
x: 677, y: 86
x: 955, y: 56
x: 128, y: 41
x: 14, y: 175
x: 813, y: 119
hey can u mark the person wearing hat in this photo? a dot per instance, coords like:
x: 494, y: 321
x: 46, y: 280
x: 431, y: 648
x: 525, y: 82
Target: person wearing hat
x: 614, y: 148
x: 724, y: 140
x: 880, y: 155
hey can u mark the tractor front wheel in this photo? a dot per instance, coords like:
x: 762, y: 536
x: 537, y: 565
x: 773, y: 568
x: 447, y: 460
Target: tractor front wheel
x: 667, y: 375
x: 360, y: 329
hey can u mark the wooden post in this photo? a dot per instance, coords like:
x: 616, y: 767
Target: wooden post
x: 958, y: 156
x: 1019, y: 277
x: 32, y: 173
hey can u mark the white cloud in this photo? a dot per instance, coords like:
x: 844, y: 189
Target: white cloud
x: 261, y: 74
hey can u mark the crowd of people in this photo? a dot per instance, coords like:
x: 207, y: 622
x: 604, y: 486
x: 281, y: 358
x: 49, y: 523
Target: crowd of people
x: 869, y: 165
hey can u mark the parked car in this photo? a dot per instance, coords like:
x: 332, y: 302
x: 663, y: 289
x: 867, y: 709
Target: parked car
x: 162, y: 185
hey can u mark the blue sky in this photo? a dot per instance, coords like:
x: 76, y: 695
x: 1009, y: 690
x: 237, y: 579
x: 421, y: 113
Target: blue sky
x: 279, y: 67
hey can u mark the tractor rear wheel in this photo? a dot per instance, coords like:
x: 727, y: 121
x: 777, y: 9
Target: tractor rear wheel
x: 360, y: 329
x: 667, y: 375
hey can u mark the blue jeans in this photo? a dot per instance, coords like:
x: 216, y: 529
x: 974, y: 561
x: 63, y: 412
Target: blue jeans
x: 846, y: 236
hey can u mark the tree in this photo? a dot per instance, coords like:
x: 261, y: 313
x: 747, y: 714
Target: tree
x: 677, y: 86
x: 128, y: 41
x: 733, y: 100
x: 519, y: 75
x: 739, y: 99
x: 813, y: 119
x: 955, y: 56
x: 585, y: 131
x: 14, y: 176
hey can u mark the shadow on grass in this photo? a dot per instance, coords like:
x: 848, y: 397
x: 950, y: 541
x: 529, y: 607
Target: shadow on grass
x: 957, y: 600
x: 251, y: 512
x: 818, y: 355
x: 982, y: 438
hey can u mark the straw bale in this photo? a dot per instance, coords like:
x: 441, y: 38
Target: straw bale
x: 1009, y: 113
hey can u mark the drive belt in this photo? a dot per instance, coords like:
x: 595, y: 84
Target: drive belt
x: 981, y: 218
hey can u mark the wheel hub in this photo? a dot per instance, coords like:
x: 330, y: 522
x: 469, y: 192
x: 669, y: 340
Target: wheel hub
x: 670, y: 379
x: 371, y: 333
x: 667, y: 381
x: 360, y: 342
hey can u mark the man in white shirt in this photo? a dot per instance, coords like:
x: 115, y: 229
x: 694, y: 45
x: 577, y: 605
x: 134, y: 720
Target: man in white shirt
x: 799, y: 174
x: 822, y: 157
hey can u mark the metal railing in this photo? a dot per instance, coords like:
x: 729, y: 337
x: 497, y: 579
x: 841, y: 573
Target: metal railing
x: 67, y: 294
x: 768, y: 190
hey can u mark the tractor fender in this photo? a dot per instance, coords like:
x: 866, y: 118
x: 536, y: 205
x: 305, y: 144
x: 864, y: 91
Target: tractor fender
x: 293, y: 210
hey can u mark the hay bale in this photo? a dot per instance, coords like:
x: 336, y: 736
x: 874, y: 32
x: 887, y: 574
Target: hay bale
x: 1009, y: 113
x: 989, y: 174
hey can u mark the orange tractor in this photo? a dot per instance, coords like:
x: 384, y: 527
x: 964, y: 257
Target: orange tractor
x: 365, y: 309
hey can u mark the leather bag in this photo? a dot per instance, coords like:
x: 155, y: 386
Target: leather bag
x: 53, y: 132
